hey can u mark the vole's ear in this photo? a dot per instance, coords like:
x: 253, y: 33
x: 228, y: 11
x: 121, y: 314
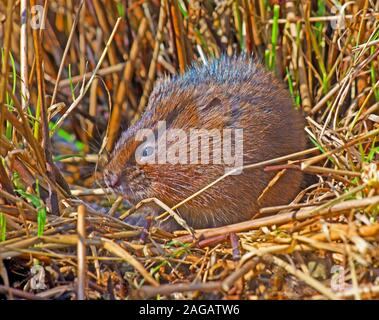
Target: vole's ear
x: 220, y: 106
x: 215, y: 103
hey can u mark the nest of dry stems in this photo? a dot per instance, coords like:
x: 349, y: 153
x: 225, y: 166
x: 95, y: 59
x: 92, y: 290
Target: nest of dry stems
x: 67, y: 90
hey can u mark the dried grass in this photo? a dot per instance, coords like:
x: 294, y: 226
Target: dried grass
x: 67, y: 90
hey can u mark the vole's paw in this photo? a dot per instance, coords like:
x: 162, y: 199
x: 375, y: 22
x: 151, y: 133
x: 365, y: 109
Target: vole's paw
x: 139, y: 220
x: 146, y: 221
x: 142, y: 217
x: 169, y: 225
x: 145, y: 218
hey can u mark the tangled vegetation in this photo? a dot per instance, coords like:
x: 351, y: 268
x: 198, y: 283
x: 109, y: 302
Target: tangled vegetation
x: 74, y: 74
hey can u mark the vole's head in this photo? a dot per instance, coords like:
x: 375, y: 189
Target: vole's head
x: 209, y: 98
x: 152, y: 158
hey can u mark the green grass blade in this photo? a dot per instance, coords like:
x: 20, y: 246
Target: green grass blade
x: 3, y: 227
x: 274, y: 37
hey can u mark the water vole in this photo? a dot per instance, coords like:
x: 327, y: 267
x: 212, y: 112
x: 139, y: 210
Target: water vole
x: 226, y: 95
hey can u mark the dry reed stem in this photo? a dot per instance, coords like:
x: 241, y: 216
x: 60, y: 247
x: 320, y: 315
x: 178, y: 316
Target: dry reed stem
x: 115, y: 119
x: 81, y: 252
x: 283, y: 218
x: 24, y: 54
x: 5, y: 65
x: 153, y: 64
x: 69, y: 40
x: 87, y: 86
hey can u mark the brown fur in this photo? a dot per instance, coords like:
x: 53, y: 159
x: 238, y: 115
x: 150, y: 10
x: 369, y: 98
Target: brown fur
x: 227, y: 93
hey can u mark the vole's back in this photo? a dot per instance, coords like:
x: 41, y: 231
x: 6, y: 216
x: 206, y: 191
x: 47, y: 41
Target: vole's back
x: 229, y: 93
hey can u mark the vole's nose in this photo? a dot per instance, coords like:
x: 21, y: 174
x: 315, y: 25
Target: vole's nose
x: 113, y: 179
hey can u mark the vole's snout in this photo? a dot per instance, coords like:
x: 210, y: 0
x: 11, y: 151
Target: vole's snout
x: 112, y: 179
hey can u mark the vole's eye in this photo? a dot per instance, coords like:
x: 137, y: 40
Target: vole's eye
x: 147, y: 151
